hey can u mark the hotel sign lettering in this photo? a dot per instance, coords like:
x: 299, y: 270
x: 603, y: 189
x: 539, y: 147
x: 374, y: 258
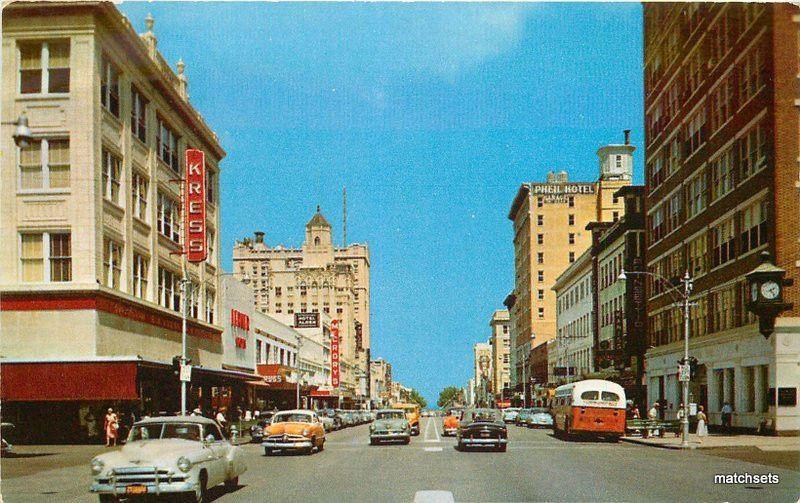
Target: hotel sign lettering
x: 559, y: 193
x: 194, y: 206
x: 306, y: 320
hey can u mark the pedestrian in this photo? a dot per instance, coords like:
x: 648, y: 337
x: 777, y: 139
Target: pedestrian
x: 220, y: 418
x: 111, y: 427
x: 652, y: 415
x: 681, y: 415
x: 702, y: 430
x: 727, y: 413
x: 635, y: 413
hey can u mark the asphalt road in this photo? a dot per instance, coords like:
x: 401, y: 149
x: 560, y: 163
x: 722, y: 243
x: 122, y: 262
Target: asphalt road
x: 537, y: 467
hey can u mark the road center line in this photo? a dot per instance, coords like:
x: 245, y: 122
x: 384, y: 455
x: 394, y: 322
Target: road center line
x: 433, y: 449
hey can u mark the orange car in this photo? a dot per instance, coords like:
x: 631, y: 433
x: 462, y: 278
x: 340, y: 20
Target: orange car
x: 412, y: 415
x: 294, y: 430
x: 450, y: 423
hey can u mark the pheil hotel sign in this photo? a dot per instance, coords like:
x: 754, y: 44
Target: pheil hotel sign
x: 194, y: 193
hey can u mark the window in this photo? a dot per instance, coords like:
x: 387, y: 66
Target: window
x: 112, y: 263
x: 722, y: 175
x: 169, y: 289
x: 724, y: 308
x: 139, y: 192
x: 615, y: 216
x: 698, y: 249
x: 571, y: 219
x: 111, y: 174
x: 753, y: 226
x: 572, y: 238
x: 539, y: 202
x: 140, y: 271
x: 44, y: 67
x: 138, y: 115
x: 167, y: 147
x: 540, y: 239
x: 751, y: 73
x: 44, y: 164
x: 541, y: 276
x: 109, y: 87
x: 721, y: 101
x: 571, y: 201
x: 571, y: 257
x: 540, y: 294
x: 539, y: 219
x: 194, y: 300
x: 210, y: 245
x: 540, y: 257
x: 210, y: 300
x: 45, y: 255
x: 696, y: 195
x: 169, y: 216
x: 541, y: 313
x: 723, y: 235
x: 696, y: 131
x: 752, y: 151
x: 210, y: 181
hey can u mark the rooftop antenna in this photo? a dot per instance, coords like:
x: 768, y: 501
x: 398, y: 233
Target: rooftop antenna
x: 344, y: 216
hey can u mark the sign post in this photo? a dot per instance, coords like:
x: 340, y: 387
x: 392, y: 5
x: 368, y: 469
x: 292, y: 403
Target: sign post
x: 195, y: 247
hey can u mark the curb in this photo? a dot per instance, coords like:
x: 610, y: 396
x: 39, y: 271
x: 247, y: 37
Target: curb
x: 639, y: 441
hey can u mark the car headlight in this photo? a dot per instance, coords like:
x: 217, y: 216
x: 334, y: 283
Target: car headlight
x: 184, y: 464
x: 306, y: 432
x: 372, y: 427
x: 97, y: 466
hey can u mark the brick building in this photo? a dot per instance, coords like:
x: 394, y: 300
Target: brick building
x: 721, y: 186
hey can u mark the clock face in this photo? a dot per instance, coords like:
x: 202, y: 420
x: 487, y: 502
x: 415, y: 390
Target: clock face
x: 770, y: 290
x: 754, y: 292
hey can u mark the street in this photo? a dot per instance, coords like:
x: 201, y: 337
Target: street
x: 537, y: 467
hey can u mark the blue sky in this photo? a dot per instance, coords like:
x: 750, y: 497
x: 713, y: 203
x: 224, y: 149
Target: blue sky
x: 431, y: 114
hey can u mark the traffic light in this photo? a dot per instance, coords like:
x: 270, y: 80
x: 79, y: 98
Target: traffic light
x: 176, y: 365
x: 693, y: 366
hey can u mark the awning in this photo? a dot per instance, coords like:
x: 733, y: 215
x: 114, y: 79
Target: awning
x: 62, y: 381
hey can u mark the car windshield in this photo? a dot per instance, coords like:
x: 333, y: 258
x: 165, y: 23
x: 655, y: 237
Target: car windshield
x: 390, y: 414
x: 291, y: 417
x: 410, y: 410
x: 153, y: 431
x: 484, y: 415
x: 539, y: 410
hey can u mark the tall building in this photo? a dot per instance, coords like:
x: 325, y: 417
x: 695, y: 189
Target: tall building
x: 500, y: 340
x: 317, y: 277
x: 90, y: 231
x: 575, y: 319
x: 482, y: 352
x: 722, y: 149
x: 549, y: 221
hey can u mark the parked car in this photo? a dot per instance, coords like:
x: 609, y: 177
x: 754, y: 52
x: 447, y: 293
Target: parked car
x: 390, y: 425
x: 257, y: 429
x: 510, y: 414
x: 5, y: 447
x: 522, y: 417
x: 482, y: 428
x: 326, y: 417
x: 412, y: 414
x: 450, y: 423
x: 294, y: 430
x: 539, y: 417
x: 168, y: 455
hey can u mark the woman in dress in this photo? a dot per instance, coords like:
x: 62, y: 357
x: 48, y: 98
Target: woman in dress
x: 111, y: 427
x: 702, y: 429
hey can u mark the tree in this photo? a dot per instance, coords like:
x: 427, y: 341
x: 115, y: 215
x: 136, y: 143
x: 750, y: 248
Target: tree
x: 448, y: 396
x: 418, y: 399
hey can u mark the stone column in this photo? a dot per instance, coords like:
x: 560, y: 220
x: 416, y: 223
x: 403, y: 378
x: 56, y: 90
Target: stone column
x: 783, y: 372
x: 758, y: 389
x: 713, y: 386
x: 739, y: 393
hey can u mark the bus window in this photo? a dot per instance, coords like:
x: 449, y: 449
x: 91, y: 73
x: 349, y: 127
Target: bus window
x: 590, y: 395
x: 608, y: 396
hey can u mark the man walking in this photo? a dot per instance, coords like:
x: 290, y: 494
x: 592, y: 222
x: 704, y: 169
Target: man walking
x: 727, y: 413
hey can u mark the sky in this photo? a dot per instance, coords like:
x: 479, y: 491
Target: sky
x: 431, y: 114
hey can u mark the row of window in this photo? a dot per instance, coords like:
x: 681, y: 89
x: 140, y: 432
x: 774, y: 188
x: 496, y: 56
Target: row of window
x: 570, y: 219
x: 267, y: 353
x: 734, y: 165
x: 575, y: 294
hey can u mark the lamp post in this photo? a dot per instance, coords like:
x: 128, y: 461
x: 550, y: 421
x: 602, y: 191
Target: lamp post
x: 22, y: 134
x: 684, y: 374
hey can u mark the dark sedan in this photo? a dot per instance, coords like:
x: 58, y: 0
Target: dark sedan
x: 482, y: 428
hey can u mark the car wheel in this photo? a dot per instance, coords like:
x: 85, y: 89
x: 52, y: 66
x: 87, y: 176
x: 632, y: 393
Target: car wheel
x: 502, y: 447
x: 321, y: 445
x: 107, y: 498
x: 460, y: 446
x: 231, y: 484
x: 407, y: 441
x: 372, y: 441
x: 201, y: 496
x: 268, y: 452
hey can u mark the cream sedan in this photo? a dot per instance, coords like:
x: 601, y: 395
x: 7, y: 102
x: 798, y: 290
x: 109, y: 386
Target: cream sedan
x: 168, y: 455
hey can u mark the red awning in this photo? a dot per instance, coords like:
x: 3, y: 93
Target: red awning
x: 62, y: 381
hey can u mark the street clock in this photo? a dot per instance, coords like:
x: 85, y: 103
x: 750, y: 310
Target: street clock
x: 767, y: 282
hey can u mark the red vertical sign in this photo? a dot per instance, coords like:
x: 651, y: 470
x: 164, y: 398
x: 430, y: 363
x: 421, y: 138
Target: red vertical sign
x: 194, y: 206
x: 335, y: 353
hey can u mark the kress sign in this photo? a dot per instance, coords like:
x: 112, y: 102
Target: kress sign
x: 194, y: 206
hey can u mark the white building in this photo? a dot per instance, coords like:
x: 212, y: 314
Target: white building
x: 574, y: 318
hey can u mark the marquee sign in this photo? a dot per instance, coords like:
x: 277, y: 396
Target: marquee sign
x: 335, y: 353
x: 194, y: 206
x: 306, y: 320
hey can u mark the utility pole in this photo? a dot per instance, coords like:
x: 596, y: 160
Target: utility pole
x: 687, y: 290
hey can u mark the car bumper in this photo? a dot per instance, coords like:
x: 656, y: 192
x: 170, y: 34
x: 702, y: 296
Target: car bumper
x: 484, y: 441
x: 389, y: 436
x: 287, y: 446
x: 450, y: 431
x: 151, y: 488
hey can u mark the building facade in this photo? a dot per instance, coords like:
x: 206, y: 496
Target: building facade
x: 91, y: 221
x: 482, y: 353
x: 380, y: 388
x: 500, y: 341
x: 575, y: 320
x: 315, y: 278
x: 721, y: 171
x: 549, y: 221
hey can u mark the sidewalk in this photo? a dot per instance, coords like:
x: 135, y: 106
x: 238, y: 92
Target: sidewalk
x: 716, y: 441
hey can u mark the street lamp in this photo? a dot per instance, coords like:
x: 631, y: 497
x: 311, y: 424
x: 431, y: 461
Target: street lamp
x: 684, y: 374
x: 22, y: 135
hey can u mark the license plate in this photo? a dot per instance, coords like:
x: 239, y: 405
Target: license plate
x: 485, y: 434
x: 138, y: 489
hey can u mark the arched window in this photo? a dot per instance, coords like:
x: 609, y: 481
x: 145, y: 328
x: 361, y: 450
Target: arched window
x: 316, y: 241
